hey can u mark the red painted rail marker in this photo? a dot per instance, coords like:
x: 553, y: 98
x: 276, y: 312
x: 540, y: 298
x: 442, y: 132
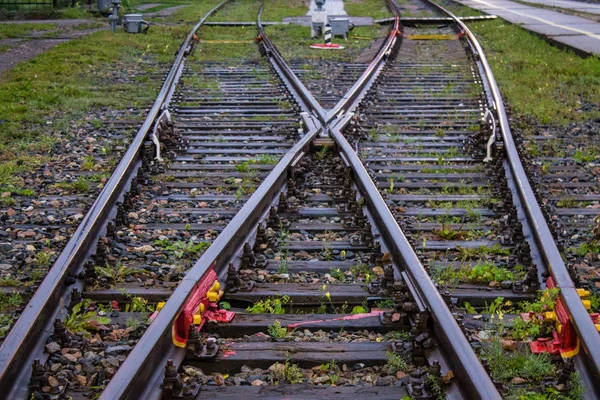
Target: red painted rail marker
x: 564, y: 337
x: 326, y: 46
x: 201, y: 306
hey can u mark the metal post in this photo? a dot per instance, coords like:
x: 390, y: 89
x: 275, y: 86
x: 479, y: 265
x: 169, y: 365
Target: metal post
x: 327, y: 34
x: 114, y: 17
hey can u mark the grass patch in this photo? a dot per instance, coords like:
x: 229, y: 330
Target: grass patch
x: 294, y: 42
x: 276, y: 10
x: 194, y: 12
x: 47, y: 97
x: 530, y: 78
x: 10, y: 301
x: 367, y: 8
x: 533, y: 81
x: 482, y: 273
x: 222, y: 50
x: 507, y: 365
x: 181, y: 248
x: 271, y: 305
x: 584, y: 249
x: 470, y: 253
x: 16, y: 30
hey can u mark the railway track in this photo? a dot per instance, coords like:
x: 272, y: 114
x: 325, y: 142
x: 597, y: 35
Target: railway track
x: 270, y: 238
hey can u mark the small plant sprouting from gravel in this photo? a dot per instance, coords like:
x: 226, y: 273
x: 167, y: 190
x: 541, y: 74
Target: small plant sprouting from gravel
x: 82, y: 321
x: 277, y: 331
x: 116, y: 273
x: 137, y: 304
x: 396, y: 363
x: 358, y: 310
x: 88, y: 163
x: 269, y: 306
x: 506, y: 365
x: 293, y: 373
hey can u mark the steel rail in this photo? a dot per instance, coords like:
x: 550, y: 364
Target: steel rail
x: 142, y: 372
x: 137, y: 371
x: 355, y: 94
x: 470, y: 372
x: 25, y: 341
x: 305, y: 98
x: 584, y: 326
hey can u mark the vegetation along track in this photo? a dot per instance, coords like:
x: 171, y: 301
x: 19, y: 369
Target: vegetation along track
x: 308, y: 276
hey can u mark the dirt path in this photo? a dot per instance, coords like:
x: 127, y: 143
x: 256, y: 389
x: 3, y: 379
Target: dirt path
x: 57, y: 22
x: 26, y: 48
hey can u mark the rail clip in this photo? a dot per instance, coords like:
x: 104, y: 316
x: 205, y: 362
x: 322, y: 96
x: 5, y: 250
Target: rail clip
x: 564, y: 337
x: 202, y: 306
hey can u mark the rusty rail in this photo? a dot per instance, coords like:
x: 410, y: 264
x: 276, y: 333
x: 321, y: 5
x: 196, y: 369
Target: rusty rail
x: 35, y: 324
x: 584, y: 326
x: 141, y: 374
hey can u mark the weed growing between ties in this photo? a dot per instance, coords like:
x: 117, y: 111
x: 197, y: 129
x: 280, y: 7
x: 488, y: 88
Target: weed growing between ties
x: 506, y: 366
x: 483, y: 272
x: 277, y: 331
x: 271, y: 305
x: 9, y: 302
x: 504, y: 345
x: 82, y: 321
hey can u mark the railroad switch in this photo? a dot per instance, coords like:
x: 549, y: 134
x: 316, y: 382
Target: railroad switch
x: 564, y: 341
x: 201, y: 307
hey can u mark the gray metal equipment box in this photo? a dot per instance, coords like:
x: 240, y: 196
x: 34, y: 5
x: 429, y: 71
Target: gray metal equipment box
x: 339, y: 26
x: 133, y: 23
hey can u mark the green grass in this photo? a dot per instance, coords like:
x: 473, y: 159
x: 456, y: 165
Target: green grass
x: 481, y: 273
x: 9, y: 302
x: 294, y: 41
x: 46, y: 98
x: 193, y: 12
x: 507, y: 365
x: 276, y: 10
x: 367, y: 8
x: 584, y: 249
x: 533, y: 80
x: 537, y: 79
x: 227, y: 46
x: 16, y: 30
x: 239, y: 11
